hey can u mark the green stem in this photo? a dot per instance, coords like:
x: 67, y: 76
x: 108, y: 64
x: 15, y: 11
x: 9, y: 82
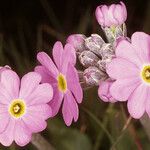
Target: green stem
x: 100, y: 124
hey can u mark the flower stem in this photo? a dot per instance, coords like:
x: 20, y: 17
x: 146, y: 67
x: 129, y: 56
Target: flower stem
x: 122, y: 132
x: 40, y: 143
x: 100, y: 124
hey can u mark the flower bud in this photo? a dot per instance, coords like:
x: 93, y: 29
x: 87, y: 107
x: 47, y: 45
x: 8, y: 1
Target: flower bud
x: 93, y: 75
x: 104, y: 91
x: 94, y: 43
x: 77, y: 41
x: 101, y: 64
x: 88, y: 58
x: 107, y: 50
x: 113, y: 15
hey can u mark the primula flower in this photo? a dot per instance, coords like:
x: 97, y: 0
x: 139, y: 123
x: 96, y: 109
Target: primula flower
x: 104, y: 91
x: 23, y: 107
x: 64, y: 79
x: 131, y: 70
x: 113, y: 15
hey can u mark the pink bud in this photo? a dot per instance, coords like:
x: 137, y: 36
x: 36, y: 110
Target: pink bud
x: 113, y: 15
x: 104, y: 91
x: 77, y: 41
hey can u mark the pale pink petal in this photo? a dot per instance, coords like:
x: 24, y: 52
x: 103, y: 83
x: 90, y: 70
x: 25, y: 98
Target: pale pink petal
x: 120, y: 68
x: 137, y: 101
x: 28, y: 83
x: 118, y: 14
x: 43, y: 93
x: 58, y: 54
x: 104, y: 91
x: 67, y: 114
x: 73, y: 83
x: 45, y: 74
x: 43, y: 111
x: 46, y: 61
x: 104, y: 9
x: 70, y: 109
x: 141, y: 42
x: 5, y: 96
x: 100, y: 16
x: 4, y: 119
x: 11, y: 83
x: 7, y: 137
x: 69, y: 56
x: 123, y: 88
x: 22, y: 134
x: 35, y: 120
x: 113, y: 20
x: 56, y: 102
x: 126, y: 50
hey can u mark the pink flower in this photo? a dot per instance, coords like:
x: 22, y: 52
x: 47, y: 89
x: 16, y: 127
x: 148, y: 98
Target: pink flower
x: 64, y: 79
x: 104, y: 91
x: 23, y: 107
x: 113, y: 15
x: 131, y: 69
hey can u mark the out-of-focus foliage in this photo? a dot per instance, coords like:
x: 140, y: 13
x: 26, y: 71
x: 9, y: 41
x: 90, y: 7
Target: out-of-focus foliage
x: 27, y: 27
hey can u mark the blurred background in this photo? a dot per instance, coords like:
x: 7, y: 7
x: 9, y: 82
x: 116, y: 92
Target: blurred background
x: 27, y: 27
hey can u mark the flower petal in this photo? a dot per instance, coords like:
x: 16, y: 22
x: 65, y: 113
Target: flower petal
x: 4, y: 120
x: 69, y: 56
x: 73, y: 83
x: 141, y: 42
x: 28, y: 83
x: 46, y: 76
x: 56, y: 102
x: 58, y: 54
x: 43, y: 111
x: 22, y: 134
x: 70, y: 109
x: 36, y: 123
x: 43, y: 93
x: 11, y: 83
x: 7, y: 137
x: 46, y: 61
x: 137, y: 101
x: 123, y: 88
x: 127, y: 51
x: 120, y: 68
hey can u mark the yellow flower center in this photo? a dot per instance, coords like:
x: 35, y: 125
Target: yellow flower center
x: 146, y: 74
x: 62, y: 83
x: 17, y: 108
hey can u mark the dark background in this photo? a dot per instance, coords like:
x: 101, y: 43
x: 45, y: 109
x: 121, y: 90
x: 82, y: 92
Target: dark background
x: 29, y: 26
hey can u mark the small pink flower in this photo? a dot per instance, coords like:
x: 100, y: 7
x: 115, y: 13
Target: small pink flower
x: 64, y: 79
x: 23, y: 107
x: 113, y: 15
x: 104, y: 91
x: 131, y: 70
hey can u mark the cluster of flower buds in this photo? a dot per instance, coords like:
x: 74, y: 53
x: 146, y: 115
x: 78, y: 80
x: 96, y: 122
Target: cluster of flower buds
x: 93, y: 52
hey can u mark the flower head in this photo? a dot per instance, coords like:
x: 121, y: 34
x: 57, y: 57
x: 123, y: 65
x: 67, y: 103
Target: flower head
x: 131, y: 70
x: 110, y: 16
x: 64, y: 79
x: 23, y: 107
